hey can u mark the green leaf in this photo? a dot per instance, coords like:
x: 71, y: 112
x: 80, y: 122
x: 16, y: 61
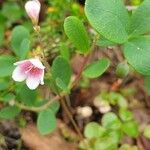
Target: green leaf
x: 117, y: 98
x: 130, y: 128
x: 125, y: 114
x: 103, y: 42
x: 147, y: 131
x: 8, y: 97
x: 111, y: 121
x: 105, y: 144
x: 24, y: 48
x: 140, y: 19
x: 128, y: 147
x: 12, y: 11
x: 6, y: 65
x: 64, y: 51
x: 110, y: 18
x: 27, y: 96
x: 93, y: 130
x: 62, y: 85
x: 46, y: 122
x: 62, y: 70
x: 2, y: 32
x: 137, y: 53
x: 19, y: 34
x: 96, y: 68
x: 3, y: 85
x: 55, y: 106
x: 77, y: 34
x: 9, y: 112
x: 116, y: 135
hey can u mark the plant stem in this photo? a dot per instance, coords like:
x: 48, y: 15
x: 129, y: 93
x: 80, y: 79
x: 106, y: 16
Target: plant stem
x: 84, y: 64
x: 40, y: 108
x: 64, y: 105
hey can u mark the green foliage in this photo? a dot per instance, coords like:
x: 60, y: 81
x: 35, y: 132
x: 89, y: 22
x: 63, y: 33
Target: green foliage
x: 8, y: 97
x: 105, y: 144
x: 125, y: 115
x: 128, y: 147
x: 76, y: 32
x: 55, y: 107
x: 131, y: 129
x: 20, y: 41
x: 6, y: 65
x: 2, y: 31
x: 137, y: 53
x: 64, y: 51
x: 93, y: 130
x: 62, y: 85
x: 110, y: 18
x: 140, y: 20
x: 3, y: 85
x: 96, y: 68
x: 9, y: 112
x: 46, y: 122
x: 103, y: 42
x: 111, y: 121
x: 147, y: 131
x: 24, y: 48
x: 122, y: 70
x: 12, y: 11
x: 27, y: 96
x: 61, y: 70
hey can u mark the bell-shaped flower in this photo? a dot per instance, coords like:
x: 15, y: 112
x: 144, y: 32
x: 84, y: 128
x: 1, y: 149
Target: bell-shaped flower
x: 32, y: 8
x: 31, y: 70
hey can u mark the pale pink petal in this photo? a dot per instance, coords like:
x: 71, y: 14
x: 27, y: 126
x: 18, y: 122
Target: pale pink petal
x: 20, y: 62
x: 32, y: 82
x: 18, y: 75
x: 37, y: 63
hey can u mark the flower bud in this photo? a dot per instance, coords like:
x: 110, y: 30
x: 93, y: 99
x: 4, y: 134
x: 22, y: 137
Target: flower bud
x: 122, y: 70
x: 32, y: 8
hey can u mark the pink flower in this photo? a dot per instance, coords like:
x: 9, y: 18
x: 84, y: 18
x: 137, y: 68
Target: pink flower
x: 31, y: 70
x: 33, y: 9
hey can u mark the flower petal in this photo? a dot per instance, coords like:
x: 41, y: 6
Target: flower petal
x: 20, y: 62
x: 32, y: 82
x: 18, y: 75
x: 37, y: 63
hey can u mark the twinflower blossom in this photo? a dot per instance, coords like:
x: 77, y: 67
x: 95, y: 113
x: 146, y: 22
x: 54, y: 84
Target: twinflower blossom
x: 32, y: 8
x: 31, y: 70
